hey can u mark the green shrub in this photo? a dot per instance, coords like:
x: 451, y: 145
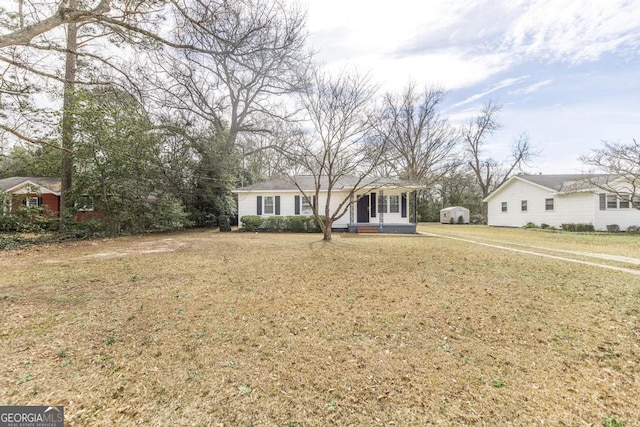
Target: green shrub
x: 26, y: 220
x: 13, y: 242
x: 585, y: 228
x: 613, y: 228
x: 530, y: 225
x: 251, y: 222
x: 88, y: 228
x: 633, y: 229
x: 165, y: 213
x: 580, y: 227
x: 296, y: 224
x: 274, y: 223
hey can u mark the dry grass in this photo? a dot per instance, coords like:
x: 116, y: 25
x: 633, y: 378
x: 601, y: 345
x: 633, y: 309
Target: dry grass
x: 204, y: 328
x: 622, y: 244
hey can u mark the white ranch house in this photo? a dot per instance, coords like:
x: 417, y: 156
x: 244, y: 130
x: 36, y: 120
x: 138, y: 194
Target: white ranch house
x: 381, y: 205
x: 562, y: 199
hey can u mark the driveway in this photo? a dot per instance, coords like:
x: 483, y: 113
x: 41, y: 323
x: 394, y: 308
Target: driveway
x: 624, y: 264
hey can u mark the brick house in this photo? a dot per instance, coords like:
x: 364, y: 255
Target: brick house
x: 43, y: 192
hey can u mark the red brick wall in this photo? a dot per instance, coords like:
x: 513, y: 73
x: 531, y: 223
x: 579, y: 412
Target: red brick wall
x: 52, y: 202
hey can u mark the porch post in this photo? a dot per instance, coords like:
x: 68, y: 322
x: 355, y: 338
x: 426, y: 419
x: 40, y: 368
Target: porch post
x: 351, y: 200
x: 380, y: 211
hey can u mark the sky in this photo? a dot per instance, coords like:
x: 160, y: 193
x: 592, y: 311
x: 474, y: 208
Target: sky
x: 566, y: 72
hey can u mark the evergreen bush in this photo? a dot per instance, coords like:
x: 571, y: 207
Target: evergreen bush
x: 294, y: 223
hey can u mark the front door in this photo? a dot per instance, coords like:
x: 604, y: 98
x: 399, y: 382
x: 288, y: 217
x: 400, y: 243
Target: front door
x: 363, y: 209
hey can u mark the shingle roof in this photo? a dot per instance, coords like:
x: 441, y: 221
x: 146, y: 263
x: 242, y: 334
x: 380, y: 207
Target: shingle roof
x: 53, y: 184
x: 565, y: 183
x: 307, y: 182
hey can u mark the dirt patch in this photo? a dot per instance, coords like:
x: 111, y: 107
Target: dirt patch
x: 208, y: 328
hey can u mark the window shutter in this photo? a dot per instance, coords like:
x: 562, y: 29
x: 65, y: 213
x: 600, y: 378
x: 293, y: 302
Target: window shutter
x: 297, y: 204
x: 603, y: 202
x: 373, y: 209
x: 259, y: 207
x: 403, y: 205
x: 277, y: 205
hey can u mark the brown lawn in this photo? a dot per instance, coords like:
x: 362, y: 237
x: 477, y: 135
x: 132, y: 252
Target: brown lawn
x: 228, y: 329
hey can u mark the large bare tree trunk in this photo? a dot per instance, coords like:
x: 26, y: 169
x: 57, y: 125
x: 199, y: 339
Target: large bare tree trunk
x: 67, y: 121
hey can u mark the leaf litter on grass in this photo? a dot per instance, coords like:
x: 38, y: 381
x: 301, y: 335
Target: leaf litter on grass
x: 277, y: 329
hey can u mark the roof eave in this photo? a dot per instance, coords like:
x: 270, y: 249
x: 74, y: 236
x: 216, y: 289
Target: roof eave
x: 39, y: 186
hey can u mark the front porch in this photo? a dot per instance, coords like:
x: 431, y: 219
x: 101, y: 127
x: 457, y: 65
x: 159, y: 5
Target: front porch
x: 382, y: 228
x: 377, y: 212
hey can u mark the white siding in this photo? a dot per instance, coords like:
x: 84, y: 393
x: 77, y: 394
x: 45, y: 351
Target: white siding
x: 513, y: 194
x: 247, y: 205
x: 575, y: 208
x: 624, y: 218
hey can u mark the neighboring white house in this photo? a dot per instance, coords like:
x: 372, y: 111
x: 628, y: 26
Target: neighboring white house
x: 382, y: 205
x: 454, y: 215
x: 562, y: 199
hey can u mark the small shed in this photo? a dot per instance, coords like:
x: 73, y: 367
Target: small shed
x: 454, y: 215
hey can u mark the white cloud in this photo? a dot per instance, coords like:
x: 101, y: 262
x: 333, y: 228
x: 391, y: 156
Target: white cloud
x: 470, y: 34
x: 500, y: 85
x: 575, y: 30
x: 531, y: 88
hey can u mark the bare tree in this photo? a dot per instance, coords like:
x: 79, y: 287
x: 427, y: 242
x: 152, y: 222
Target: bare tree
x: 421, y: 142
x: 340, y: 145
x: 34, y: 54
x: 27, y: 21
x: 489, y: 172
x: 245, y: 54
x: 622, y: 163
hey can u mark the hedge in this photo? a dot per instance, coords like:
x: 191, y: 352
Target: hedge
x: 578, y: 227
x: 294, y: 223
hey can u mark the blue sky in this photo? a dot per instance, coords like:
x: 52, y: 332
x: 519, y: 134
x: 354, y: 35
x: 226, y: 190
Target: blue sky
x: 567, y: 72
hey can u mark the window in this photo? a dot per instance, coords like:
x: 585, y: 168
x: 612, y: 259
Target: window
x: 612, y: 201
x: 625, y: 201
x: 382, y: 204
x: 268, y: 205
x: 394, y: 204
x: 305, y: 206
x: 548, y: 204
x: 523, y: 205
x: 31, y: 201
x: 504, y: 206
